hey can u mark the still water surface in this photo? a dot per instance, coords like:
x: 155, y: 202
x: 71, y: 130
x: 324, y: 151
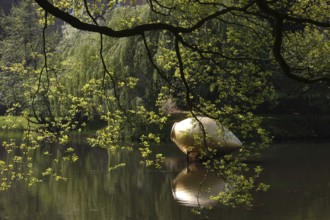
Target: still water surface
x: 298, y: 172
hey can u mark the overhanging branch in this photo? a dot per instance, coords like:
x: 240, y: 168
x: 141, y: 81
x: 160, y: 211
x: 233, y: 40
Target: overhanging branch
x: 137, y: 30
x: 278, y: 40
x: 277, y: 47
x: 264, y: 7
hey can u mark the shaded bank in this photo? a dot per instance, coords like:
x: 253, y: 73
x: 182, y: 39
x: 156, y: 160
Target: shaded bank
x: 298, y: 126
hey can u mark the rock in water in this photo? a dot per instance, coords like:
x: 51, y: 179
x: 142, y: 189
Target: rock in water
x: 188, y: 136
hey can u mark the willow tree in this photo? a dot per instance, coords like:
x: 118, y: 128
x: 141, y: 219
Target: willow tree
x: 214, y: 57
x: 20, y: 55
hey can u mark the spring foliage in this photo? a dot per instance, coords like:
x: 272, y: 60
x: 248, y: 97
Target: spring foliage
x: 138, y: 65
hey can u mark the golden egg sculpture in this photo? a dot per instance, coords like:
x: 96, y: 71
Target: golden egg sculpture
x: 188, y: 136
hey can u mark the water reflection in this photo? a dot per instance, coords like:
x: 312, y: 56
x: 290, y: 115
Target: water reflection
x: 298, y: 174
x: 194, y: 186
x: 92, y: 192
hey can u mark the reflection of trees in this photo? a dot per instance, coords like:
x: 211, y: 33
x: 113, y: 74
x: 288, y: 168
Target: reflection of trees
x: 19, y: 203
x: 194, y: 186
x: 91, y: 192
x: 300, y: 189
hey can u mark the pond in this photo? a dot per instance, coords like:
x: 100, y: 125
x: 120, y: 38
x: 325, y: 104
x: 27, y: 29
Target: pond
x: 298, y: 173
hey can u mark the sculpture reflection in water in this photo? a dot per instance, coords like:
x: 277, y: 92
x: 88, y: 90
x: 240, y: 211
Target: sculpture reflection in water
x: 193, y: 186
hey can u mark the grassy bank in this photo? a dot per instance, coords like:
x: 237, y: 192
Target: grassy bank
x: 16, y: 123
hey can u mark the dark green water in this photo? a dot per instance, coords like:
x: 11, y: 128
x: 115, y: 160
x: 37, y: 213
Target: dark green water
x: 299, y: 174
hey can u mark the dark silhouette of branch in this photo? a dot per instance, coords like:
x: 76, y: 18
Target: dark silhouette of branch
x: 265, y: 11
x: 137, y: 30
x: 278, y: 40
x: 264, y: 7
x: 159, y: 71
x: 42, y: 119
x: 105, y: 69
x: 164, y: 7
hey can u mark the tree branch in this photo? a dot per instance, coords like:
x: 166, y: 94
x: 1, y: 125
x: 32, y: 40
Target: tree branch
x: 159, y: 71
x: 263, y: 6
x: 137, y: 30
x: 105, y: 69
x: 277, y: 47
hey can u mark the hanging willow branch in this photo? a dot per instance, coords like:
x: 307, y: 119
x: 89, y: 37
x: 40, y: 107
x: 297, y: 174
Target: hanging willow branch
x: 159, y: 71
x: 105, y: 69
x: 41, y: 119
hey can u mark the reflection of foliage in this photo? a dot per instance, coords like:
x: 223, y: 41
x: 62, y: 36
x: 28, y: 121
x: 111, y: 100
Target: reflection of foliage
x: 92, y: 192
x: 20, y: 156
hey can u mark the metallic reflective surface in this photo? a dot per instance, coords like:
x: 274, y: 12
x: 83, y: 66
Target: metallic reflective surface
x: 188, y: 136
x: 193, y: 186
